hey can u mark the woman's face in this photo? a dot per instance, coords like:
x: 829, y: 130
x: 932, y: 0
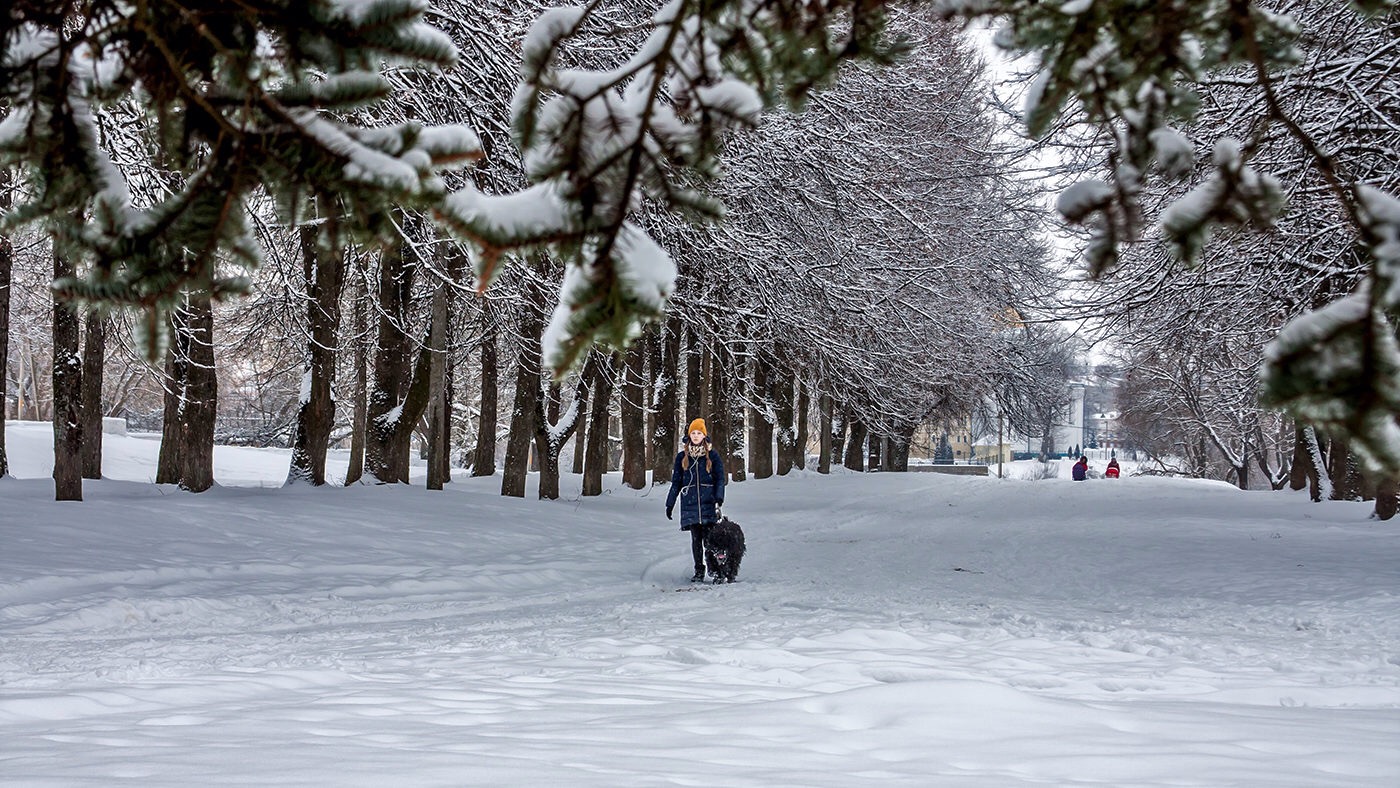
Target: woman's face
x: 697, y: 437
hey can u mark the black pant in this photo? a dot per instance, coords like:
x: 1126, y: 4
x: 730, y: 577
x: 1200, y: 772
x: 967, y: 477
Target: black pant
x: 698, y: 532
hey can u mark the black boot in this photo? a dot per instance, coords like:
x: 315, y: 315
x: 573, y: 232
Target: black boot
x: 699, y: 576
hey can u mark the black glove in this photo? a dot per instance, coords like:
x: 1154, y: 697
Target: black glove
x: 668, y: 512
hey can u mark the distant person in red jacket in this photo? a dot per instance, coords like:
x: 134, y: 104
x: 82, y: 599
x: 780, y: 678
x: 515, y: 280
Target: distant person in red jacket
x: 1080, y: 471
x: 1112, y: 470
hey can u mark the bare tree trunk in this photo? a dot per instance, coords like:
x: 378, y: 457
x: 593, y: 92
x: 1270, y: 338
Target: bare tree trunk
x: 522, y: 425
x: 898, y: 458
x: 760, y: 424
x: 527, y: 403
x: 484, y: 458
x: 67, y: 394
x: 581, y: 443
x: 1318, y: 477
x: 1302, y: 459
x: 827, y: 406
x: 1343, y: 470
x: 439, y: 420
x: 415, y: 404
x: 7, y: 263
x: 1386, y: 498
x: 176, y: 381
x: 876, y: 459
x: 839, y: 425
x: 449, y: 389
x: 786, y: 429
x: 665, y: 378
x: 596, y: 450
x: 855, y: 446
x: 634, y: 437
x: 553, y: 430
x: 203, y: 407
x: 397, y: 267
x: 736, y: 461
x: 694, y: 382
x: 191, y: 399
x: 359, y: 418
x: 324, y: 274
x: 94, y: 358
x: 651, y: 356
x: 1047, y: 440
x: 716, y: 406
x: 804, y: 405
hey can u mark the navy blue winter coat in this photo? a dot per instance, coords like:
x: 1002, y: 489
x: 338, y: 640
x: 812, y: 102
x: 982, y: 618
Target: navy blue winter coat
x: 698, y: 489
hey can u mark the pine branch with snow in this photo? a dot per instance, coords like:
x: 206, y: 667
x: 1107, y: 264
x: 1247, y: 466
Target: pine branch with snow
x: 601, y: 143
x: 235, y: 98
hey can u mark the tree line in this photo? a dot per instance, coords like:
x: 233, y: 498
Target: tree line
x: 856, y: 290
x: 1234, y: 168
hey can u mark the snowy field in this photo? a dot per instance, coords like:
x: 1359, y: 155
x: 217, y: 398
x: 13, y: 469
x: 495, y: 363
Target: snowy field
x: 887, y: 630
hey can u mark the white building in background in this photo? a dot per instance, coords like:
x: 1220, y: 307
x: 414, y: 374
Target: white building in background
x: 1103, y: 431
x: 1069, y: 432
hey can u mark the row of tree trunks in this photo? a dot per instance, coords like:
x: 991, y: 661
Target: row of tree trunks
x: 394, y: 386
x: 79, y: 355
x: 1328, y: 469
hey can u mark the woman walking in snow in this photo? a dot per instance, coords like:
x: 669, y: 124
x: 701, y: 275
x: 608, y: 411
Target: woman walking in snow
x: 697, y: 479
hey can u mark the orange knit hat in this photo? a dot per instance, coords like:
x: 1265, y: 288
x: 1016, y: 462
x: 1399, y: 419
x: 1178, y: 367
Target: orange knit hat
x: 698, y: 424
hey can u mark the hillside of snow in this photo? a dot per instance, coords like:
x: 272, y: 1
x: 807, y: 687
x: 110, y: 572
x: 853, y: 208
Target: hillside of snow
x: 888, y: 629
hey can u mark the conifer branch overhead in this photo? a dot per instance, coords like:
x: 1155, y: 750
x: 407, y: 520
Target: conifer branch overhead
x: 233, y: 96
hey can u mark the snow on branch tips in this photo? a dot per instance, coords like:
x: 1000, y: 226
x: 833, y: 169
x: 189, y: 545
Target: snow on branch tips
x: 268, y: 102
x: 1339, y: 368
x: 607, y: 302
x: 1234, y: 194
x: 644, y: 129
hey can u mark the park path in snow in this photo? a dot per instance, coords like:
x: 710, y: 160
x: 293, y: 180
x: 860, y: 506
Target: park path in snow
x: 905, y: 629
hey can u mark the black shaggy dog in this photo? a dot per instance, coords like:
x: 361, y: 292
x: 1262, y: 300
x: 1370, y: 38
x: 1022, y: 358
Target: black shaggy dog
x: 724, y: 549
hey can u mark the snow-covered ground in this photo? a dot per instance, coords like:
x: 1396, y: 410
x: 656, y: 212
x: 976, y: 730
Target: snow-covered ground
x: 888, y: 629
